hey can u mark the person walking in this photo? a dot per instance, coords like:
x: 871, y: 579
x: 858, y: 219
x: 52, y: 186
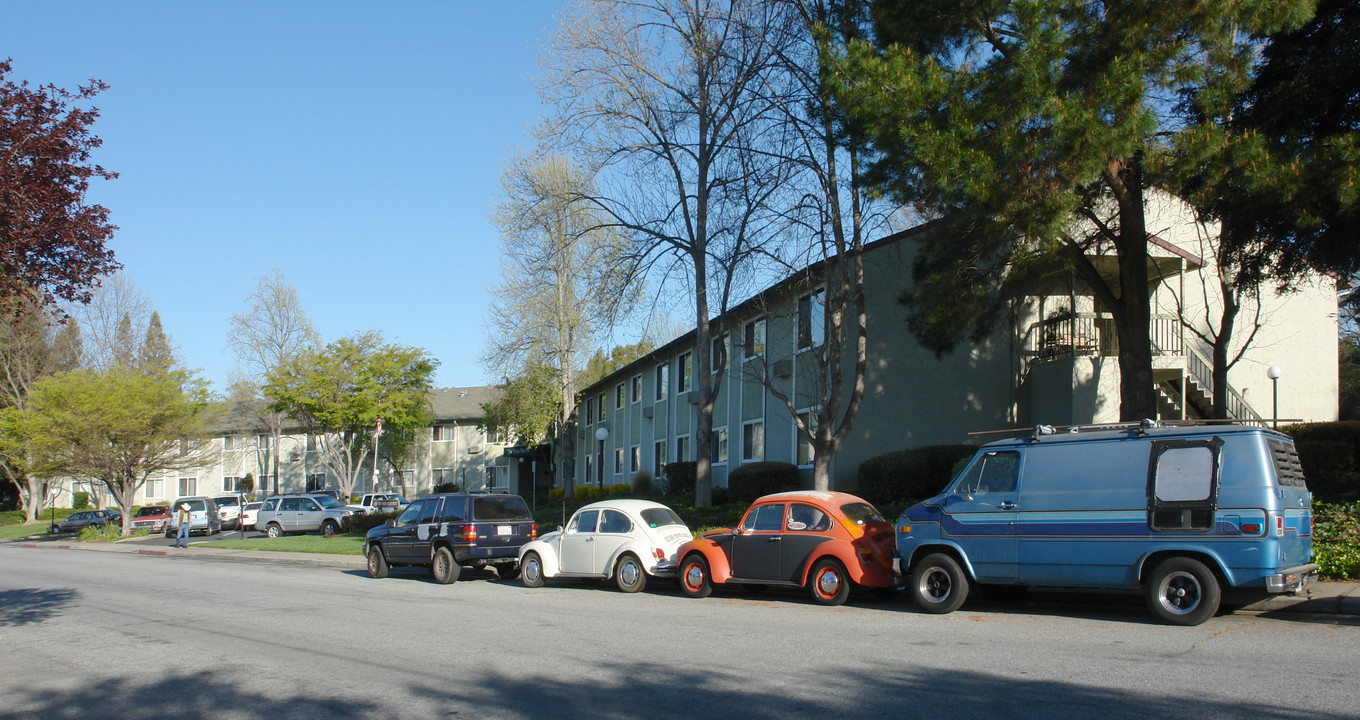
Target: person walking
x: 182, y: 520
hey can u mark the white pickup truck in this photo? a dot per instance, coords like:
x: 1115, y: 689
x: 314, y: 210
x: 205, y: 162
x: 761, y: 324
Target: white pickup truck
x: 380, y: 502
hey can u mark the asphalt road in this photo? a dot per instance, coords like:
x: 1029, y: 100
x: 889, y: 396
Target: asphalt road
x: 90, y: 634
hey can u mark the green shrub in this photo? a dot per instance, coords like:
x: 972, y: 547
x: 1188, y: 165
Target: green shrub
x: 587, y: 493
x: 917, y: 473
x: 1336, y: 539
x: 721, y: 496
x: 1330, y: 455
x: 445, y: 487
x: 556, y: 494
x: 80, y: 500
x: 753, y: 480
x: 620, y: 489
x: 643, y: 484
x: 101, y: 533
x: 680, y: 478
x: 361, y: 524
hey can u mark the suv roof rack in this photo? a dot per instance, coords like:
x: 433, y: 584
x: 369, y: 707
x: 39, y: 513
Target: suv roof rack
x: 1142, y: 426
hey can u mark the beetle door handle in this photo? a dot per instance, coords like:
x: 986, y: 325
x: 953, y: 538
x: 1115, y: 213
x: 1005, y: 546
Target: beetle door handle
x: 775, y: 538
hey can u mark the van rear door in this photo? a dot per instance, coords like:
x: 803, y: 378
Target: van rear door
x: 1294, y: 523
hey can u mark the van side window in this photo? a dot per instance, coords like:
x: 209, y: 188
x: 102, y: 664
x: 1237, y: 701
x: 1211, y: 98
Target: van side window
x: 1183, y: 484
x: 994, y: 472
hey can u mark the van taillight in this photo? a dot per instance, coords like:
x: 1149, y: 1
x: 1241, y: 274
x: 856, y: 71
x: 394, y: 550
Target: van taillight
x: 470, y: 533
x: 1279, y: 526
x: 533, y: 531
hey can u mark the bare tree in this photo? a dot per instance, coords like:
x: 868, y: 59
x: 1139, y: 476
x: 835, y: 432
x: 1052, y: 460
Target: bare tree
x: 273, y: 331
x: 666, y: 98
x: 117, y: 302
x: 561, y: 281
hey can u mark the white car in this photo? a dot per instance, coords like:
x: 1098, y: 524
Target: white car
x: 248, y: 514
x: 627, y: 540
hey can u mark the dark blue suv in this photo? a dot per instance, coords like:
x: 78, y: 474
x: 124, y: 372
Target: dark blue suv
x: 453, y: 530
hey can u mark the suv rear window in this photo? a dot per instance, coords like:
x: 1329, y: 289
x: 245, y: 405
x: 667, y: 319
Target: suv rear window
x: 500, y: 507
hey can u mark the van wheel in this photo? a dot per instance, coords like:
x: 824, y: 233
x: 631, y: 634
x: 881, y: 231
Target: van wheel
x: 829, y: 584
x: 1182, y: 591
x: 629, y: 575
x: 531, y: 570
x: 274, y: 530
x: 694, y: 579
x: 377, y: 563
x: 938, y: 585
x: 444, y: 568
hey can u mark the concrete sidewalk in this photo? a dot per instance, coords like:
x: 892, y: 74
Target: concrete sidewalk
x: 1321, y: 598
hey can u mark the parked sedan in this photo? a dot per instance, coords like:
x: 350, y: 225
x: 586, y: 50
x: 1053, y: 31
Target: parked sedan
x: 823, y: 541
x: 627, y: 540
x: 153, y: 518
x: 85, y: 518
x: 249, y: 513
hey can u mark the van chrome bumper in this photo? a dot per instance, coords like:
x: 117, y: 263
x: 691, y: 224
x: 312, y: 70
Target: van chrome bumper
x: 1292, y: 580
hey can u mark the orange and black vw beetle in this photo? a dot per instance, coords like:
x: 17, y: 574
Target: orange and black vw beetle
x: 823, y: 541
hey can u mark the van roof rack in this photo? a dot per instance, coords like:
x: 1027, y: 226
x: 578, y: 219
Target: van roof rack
x: 1144, y: 425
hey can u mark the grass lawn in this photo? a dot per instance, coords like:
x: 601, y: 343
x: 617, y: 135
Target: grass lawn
x: 339, y: 545
x: 15, y: 532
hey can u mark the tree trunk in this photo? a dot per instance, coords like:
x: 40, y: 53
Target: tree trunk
x: 1137, y: 399
x: 1227, y: 321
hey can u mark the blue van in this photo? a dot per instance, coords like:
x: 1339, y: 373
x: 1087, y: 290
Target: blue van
x: 1185, y: 514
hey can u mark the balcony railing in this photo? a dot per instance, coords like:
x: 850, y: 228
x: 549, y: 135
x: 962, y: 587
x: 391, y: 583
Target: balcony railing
x: 1094, y: 335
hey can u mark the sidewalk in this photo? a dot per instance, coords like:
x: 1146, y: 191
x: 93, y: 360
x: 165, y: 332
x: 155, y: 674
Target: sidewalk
x: 1321, y: 598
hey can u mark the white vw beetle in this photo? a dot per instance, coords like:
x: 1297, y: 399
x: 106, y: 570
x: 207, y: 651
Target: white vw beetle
x: 623, y: 539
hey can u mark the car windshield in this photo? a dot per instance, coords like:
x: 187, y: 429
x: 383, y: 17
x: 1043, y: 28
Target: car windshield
x: 226, y: 501
x: 327, y: 501
x: 150, y: 511
x: 660, y: 517
x: 861, y: 513
x: 500, y: 507
x: 253, y: 506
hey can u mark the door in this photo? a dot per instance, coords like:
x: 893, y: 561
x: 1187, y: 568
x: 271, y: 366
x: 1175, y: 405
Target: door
x: 401, y: 536
x: 758, y: 544
x: 427, y: 526
x: 806, y: 528
x: 611, y: 535
x: 578, y: 544
x: 981, y: 514
x: 309, y: 515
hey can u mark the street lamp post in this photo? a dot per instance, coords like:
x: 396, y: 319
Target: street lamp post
x: 1274, y: 374
x: 602, y: 434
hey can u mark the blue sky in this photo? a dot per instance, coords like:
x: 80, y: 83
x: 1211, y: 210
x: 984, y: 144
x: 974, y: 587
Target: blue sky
x: 354, y: 146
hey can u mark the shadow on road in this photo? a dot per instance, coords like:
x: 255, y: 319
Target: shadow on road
x: 30, y: 605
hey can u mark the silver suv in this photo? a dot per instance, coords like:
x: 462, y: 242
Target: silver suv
x: 283, y: 514
x: 203, y: 516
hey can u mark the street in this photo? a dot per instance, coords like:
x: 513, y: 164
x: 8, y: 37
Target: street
x: 96, y: 634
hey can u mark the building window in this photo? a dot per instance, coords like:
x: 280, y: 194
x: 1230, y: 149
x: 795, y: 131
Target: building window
x: 188, y: 486
x: 444, y: 433
x: 316, y: 482
x: 590, y: 468
x: 618, y: 461
x: 500, y: 434
x: 231, y: 484
x: 155, y: 488
x: 637, y: 388
x: 590, y: 413
x: 601, y: 401
x: 311, y: 442
x: 442, y: 476
x: 264, y: 441
x: 753, y: 440
x: 754, y: 341
x: 805, y: 452
x: 719, y: 353
x: 618, y: 397
x: 684, y: 368
x: 663, y: 381
x: 230, y: 443
x: 659, y: 459
x: 635, y: 459
x: 720, y: 446
x: 499, y: 477
x: 682, y: 448
x: 812, y: 320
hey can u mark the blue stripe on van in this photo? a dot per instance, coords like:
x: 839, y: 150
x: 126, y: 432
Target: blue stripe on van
x: 1094, y: 523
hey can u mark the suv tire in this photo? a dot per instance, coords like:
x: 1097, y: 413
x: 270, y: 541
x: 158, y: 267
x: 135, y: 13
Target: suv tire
x: 274, y: 530
x: 444, y: 568
x: 377, y: 563
x: 330, y: 528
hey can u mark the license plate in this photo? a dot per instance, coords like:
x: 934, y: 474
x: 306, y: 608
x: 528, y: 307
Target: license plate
x: 503, y: 530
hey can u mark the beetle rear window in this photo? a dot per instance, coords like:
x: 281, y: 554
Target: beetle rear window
x: 861, y: 513
x: 500, y: 507
x: 660, y: 517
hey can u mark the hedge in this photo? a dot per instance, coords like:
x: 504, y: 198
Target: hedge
x: 753, y: 480
x: 360, y: 524
x: 913, y: 474
x: 1336, y: 539
x: 680, y: 479
x: 1330, y: 455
